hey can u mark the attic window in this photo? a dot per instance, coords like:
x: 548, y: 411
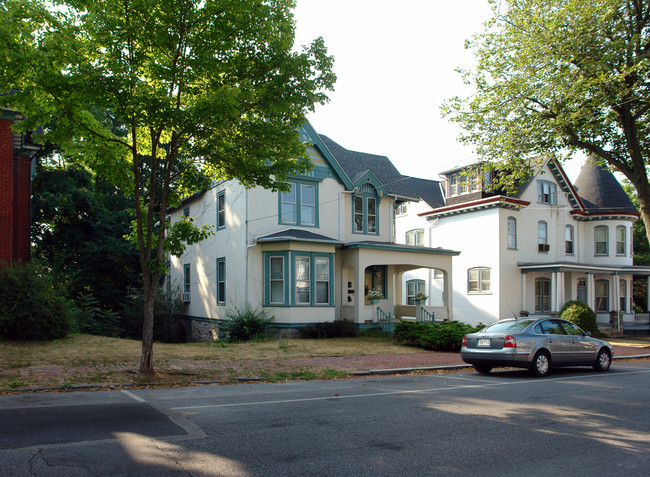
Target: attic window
x: 546, y: 193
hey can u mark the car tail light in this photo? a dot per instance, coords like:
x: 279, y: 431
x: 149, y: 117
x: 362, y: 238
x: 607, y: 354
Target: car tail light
x: 465, y: 341
x: 510, y: 342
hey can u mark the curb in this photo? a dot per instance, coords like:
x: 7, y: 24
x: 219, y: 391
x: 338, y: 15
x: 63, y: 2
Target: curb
x: 371, y: 372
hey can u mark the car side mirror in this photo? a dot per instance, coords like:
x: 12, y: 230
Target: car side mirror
x: 587, y: 333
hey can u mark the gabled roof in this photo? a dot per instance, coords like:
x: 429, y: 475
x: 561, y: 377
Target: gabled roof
x: 601, y: 193
x: 429, y: 191
x: 561, y: 179
x: 357, y: 164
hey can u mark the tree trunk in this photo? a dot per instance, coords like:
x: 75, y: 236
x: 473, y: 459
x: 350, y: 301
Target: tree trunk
x: 643, y: 194
x: 146, y: 361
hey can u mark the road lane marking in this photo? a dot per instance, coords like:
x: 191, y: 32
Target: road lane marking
x: 403, y: 392
x: 133, y: 396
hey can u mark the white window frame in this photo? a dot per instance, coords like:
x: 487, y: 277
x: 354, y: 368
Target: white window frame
x: 415, y: 237
x: 481, y: 277
x: 603, y: 229
x: 511, y: 228
x: 621, y: 242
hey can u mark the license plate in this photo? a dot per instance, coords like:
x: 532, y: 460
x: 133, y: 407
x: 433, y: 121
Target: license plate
x: 484, y: 342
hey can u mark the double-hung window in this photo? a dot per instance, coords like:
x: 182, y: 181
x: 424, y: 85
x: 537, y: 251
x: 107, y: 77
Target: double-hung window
x: 512, y: 233
x: 298, y: 279
x: 298, y: 206
x: 415, y: 237
x: 546, y: 193
x: 602, y: 295
x: 478, y: 280
x: 365, y: 205
x: 413, y: 287
x: 600, y: 238
x: 221, y: 281
x: 568, y: 239
x: 620, y: 240
x: 542, y: 236
x: 221, y: 210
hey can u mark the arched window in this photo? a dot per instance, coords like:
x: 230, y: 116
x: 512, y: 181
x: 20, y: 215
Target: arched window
x: 512, y: 233
x: 542, y: 295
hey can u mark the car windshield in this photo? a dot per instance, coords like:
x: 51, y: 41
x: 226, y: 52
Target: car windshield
x: 506, y: 326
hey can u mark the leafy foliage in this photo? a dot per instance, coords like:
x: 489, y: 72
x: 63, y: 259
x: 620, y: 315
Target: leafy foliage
x: 79, y: 224
x: 245, y: 325
x: 558, y: 76
x: 168, y: 326
x: 33, y: 304
x: 443, y: 336
x: 579, y: 313
x: 164, y: 97
x: 335, y: 329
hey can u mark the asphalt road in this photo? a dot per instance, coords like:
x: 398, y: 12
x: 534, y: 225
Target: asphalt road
x: 575, y: 422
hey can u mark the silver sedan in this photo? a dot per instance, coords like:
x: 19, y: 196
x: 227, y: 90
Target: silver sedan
x: 536, y: 344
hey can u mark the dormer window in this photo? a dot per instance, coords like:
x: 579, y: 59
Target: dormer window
x: 466, y: 182
x: 365, y: 204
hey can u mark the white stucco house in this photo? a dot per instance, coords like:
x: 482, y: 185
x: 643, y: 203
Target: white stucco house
x: 526, y: 253
x: 309, y: 255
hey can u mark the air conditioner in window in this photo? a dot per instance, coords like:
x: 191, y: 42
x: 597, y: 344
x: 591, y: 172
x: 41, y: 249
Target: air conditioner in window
x: 185, y: 297
x: 543, y: 247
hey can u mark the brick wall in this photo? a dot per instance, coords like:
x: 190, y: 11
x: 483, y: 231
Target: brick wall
x: 6, y: 191
x: 15, y: 194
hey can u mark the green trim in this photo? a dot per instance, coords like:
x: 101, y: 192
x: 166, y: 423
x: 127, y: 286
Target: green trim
x: 400, y: 248
x: 369, y: 177
x: 267, y: 277
x: 219, y: 194
x: 299, y: 182
x: 309, y: 134
x: 365, y: 196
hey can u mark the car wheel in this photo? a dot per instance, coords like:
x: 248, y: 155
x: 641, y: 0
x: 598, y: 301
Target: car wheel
x: 541, y: 364
x: 483, y: 368
x: 603, y: 361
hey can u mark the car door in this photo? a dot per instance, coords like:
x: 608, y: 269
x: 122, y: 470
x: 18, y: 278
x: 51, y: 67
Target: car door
x: 558, y: 341
x: 583, y: 349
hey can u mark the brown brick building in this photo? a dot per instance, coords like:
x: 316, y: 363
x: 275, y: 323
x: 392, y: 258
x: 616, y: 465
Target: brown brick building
x: 17, y: 153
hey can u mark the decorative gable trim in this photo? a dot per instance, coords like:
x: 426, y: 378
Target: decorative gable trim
x: 565, y: 185
x: 499, y: 201
x: 369, y: 177
x: 308, y: 134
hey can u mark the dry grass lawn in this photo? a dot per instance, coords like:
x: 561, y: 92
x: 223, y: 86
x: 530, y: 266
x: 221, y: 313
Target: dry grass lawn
x: 86, y: 359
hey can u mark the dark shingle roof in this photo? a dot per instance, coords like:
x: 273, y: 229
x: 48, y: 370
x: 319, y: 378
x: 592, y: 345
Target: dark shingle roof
x: 601, y: 192
x: 427, y: 190
x: 298, y: 235
x: 356, y: 164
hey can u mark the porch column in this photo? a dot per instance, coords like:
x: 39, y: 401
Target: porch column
x: 560, y: 291
x: 523, y: 292
x: 554, y: 308
x: 591, y: 291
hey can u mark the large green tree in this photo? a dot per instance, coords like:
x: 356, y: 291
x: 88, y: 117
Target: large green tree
x: 554, y: 77
x: 203, y: 90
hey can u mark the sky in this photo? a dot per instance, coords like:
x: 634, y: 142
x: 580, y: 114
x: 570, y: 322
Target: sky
x: 396, y: 65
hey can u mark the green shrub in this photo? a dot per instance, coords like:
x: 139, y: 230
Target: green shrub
x: 335, y: 329
x: 33, y: 305
x: 579, y: 313
x: 245, y: 325
x: 92, y: 319
x: 443, y: 336
x: 168, y: 327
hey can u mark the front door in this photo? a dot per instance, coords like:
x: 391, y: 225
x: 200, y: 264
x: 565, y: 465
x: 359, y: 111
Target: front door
x: 582, y: 290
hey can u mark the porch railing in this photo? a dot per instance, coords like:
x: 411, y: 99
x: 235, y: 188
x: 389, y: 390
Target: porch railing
x: 642, y: 317
x: 425, y: 316
x: 385, y: 321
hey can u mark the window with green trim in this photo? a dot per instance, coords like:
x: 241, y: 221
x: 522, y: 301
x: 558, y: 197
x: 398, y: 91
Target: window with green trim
x: 221, y: 210
x: 299, y: 206
x: 365, y: 204
x: 221, y: 281
x: 298, y: 279
x: 413, y: 287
